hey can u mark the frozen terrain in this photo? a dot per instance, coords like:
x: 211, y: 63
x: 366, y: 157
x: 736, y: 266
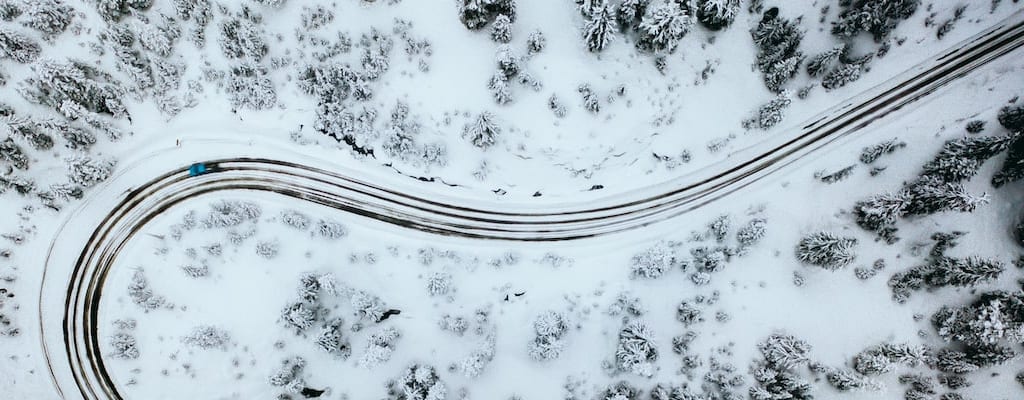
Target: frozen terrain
x: 882, y: 261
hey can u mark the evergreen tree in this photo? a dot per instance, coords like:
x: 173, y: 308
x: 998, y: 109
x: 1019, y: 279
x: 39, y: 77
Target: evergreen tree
x: 242, y: 37
x: 418, y: 382
x: 778, y: 41
x: 9, y: 10
x: 826, y: 250
x: 476, y: 14
x: 662, y: 27
x: 30, y: 132
x: 51, y: 17
x: 114, y: 10
x: 824, y: 61
x: 498, y: 85
x: 87, y: 171
x: 960, y: 159
x: 930, y: 195
x: 717, y: 14
x: 18, y: 47
x: 1012, y: 169
x: 636, y: 352
x: 1012, y: 118
x: 870, y: 154
x: 879, y: 17
x: 770, y: 114
x: 536, y: 42
x: 68, y: 85
x: 483, y: 132
x: 631, y: 13
x: 600, y: 30
x: 841, y: 76
x: 501, y: 31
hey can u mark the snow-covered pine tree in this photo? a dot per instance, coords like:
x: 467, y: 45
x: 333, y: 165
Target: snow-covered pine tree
x: 826, y: 250
x: 824, y: 61
x: 776, y: 75
x: 960, y: 159
x: 600, y: 29
x: 248, y: 87
x: 536, y: 42
x: 717, y: 14
x: 207, y: 337
x: 662, y: 27
x: 500, y: 91
x: 591, y: 102
x: 501, y: 30
x: 930, y: 195
x: 1012, y: 169
x: 872, y: 153
x: 630, y: 13
x: 778, y: 40
x: 1012, y: 118
x: 9, y: 10
x: 621, y: 390
x: 882, y: 210
x: 17, y: 46
x: 30, y: 132
x: 879, y: 17
x: 653, y: 262
x: 124, y: 346
x: 289, y: 375
x: 57, y: 83
x: 964, y: 272
x: 549, y: 327
x: 243, y: 37
x: 770, y: 114
x: 483, y: 131
x: 87, y: 171
x: 51, y: 17
x: 841, y: 76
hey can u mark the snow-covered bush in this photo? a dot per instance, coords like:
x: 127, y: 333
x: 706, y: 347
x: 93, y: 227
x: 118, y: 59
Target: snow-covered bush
x: 379, y: 347
x: 141, y: 294
x: 12, y: 153
x: 688, y: 314
x: 289, y: 375
x: 268, y: 249
x: 207, y: 337
x: 536, y: 42
x: 784, y: 352
x: 751, y: 233
x: 872, y: 153
x: 1012, y: 118
x: 418, y: 382
x: 774, y: 374
x: 636, y: 351
x: 229, y: 213
x: 439, y: 284
x: 473, y: 365
x: 114, y: 10
x: 124, y: 346
x: 367, y: 306
x: 826, y: 250
x: 331, y: 340
x: 455, y: 324
x: 330, y: 229
x: 550, y: 327
x: 300, y: 315
x: 653, y: 262
x: 295, y: 219
x: 621, y: 390
x: 501, y: 30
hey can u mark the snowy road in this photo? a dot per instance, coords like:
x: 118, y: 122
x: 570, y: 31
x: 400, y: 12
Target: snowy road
x: 73, y: 281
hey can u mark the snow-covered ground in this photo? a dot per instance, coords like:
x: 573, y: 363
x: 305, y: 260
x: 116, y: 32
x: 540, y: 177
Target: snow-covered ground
x: 211, y: 310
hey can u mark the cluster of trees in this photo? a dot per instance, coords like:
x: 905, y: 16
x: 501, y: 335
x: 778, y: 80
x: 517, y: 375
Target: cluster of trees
x: 778, y: 42
x: 418, y: 382
x: 142, y: 295
x: 656, y: 26
x: 230, y: 213
x: 289, y: 375
x: 657, y: 260
x: 1012, y: 170
x: 941, y: 270
x: 877, y: 17
x: 550, y: 328
x: 510, y: 69
x: 207, y: 337
x: 78, y: 91
x: 477, y: 14
x: 636, y: 351
x: 774, y: 373
x: 940, y: 187
x: 123, y: 344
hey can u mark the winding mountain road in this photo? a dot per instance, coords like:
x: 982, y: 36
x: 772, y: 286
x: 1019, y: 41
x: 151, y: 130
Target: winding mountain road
x: 74, y: 282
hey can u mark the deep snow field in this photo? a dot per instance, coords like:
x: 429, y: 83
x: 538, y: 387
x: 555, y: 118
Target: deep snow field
x: 254, y: 295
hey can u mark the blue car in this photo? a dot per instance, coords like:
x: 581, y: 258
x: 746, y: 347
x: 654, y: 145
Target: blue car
x: 198, y: 169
